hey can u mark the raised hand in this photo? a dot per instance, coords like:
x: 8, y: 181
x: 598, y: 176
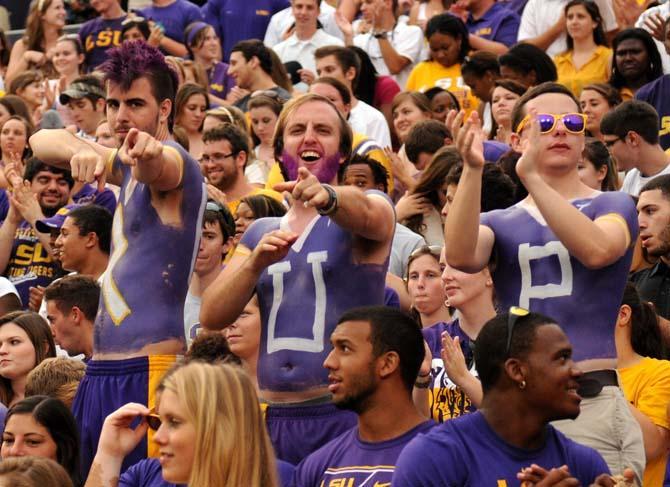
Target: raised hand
x: 139, y: 147
x: 25, y: 203
x: 344, y: 24
x: 216, y: 194
x: 35, y: 296
x: 526, y: 166
x: 453, y: 358
x: 117, y: 438
x: 50, y: 93
x: 14, y: 169
x: 307, y: 189
x: 88, y: 166
x: 469, y: 138
x: 412, y: 204
x: 272, y: 248
x: 655, y: 24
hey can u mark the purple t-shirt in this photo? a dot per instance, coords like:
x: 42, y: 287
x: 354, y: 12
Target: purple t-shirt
x: 349, y: 461
x: 534, y: 270
x: 467, y: 452
x: 656, y: 94
x: 90, y: 195
x: 143, y: 292
x: 219, y: 81
x: 239, y: 20
x: 446, y: 399
x: 174, y: 17
x: 97, y: 36
x: 498, y: 24
x: 301, y: 298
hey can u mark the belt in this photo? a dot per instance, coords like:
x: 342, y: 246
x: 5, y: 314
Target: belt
x: 591, y: 383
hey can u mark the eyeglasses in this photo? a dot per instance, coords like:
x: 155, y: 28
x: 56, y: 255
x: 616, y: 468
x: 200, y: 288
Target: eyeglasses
x: 153, y: 420
x: 610, y: 143
x: 575, y: 123
x: 514, y: 314
x: 435, y: 250
x: 217, y: 157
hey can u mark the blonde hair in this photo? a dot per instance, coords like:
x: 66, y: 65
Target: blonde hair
x: 57, y: 377
x: 232, y: 446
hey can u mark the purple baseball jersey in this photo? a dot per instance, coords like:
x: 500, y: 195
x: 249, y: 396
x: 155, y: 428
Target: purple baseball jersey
x: 348, y: 461
x: 467, y: 452
x: 302, y: 297
x: 534, y: 270
x: 145, y: 285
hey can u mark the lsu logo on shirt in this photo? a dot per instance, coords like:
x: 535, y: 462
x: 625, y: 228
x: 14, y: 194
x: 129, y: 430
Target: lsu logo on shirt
x: 357, y: 476
x: 447, y: 401
x: 484, y: 31
x: 105, y: 38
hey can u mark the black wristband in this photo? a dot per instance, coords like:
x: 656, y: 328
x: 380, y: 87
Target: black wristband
x: 331, y: 207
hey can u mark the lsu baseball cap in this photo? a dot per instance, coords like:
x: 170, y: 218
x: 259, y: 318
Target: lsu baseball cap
x: 55, y: 222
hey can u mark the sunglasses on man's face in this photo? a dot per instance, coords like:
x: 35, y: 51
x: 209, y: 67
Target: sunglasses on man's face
x: 575, y: 123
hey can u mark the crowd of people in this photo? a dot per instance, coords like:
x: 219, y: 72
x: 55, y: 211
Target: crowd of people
x: 335, y: 243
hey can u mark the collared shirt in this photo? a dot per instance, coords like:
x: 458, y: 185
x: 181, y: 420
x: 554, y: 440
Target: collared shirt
x: 653, y: 284
x: 294, y: 49
x: 282, y: 20
x: 595, y: 70
x: 498, y: 24
x: 407, y: 40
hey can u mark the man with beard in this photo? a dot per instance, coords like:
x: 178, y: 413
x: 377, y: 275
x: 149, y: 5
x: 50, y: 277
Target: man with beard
x: 224, y: 158
x: 328, y: 254
x: 374, y: 362
x: 25, y: 253
x: 139, y: 329
x: 653, y: 217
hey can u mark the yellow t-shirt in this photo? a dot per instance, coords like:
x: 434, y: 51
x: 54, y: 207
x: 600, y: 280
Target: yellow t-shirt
x: 596, y: 69
x: 646, y: 386
x: 232, y: 205
x: 428, y: 74
x: 361, y: 145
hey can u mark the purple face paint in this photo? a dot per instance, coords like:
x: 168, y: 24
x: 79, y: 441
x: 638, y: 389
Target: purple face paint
x: 325, y: 171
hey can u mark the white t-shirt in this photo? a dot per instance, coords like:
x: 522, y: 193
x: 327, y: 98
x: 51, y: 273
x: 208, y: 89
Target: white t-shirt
x: 369, y: 121
x: 283, y: 19
x: 634, y: 180
x: 664, y: 10
x: 191, y: 317
x: 293, y: 49
x: 406, y: 39
x: 540, y: 15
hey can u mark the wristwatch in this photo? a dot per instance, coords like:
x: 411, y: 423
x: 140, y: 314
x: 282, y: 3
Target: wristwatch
x: 331, y: 206
x: 381, y: 34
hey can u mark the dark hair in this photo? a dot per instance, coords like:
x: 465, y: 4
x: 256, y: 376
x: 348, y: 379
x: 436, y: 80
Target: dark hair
x: 24, y: 79
x: 431, y: 182
x: 509, y: 85
x: 632, y: 116
x: 78, y: 46
x: 346, y: 58
x: 94, y: 219
x: 211, y: 348
x: 194, y: 35
x: 367, y: 77
x: 253, y: 47
x: 75, y: 290
x: 645, y: 334
x: 507, y: 163
x: 5, y: 52
x: 237, y: 139
x: 16, y: 106
x: 135, y: 60
x: 34, y: 165
x: 338, y: 85
x: 185, y: 92
x: 142, y: 25
x: 28, y: 126
x: 655, y: 68
x: 33, y: 472
x: 436, y: 90
x: 58, y: 420
x: 223, y: 217
x: 274, y: 104
x: 379, y: 173
x: 425, y: 136
x: 518, y: 112
x: 392, y: 330
x: 480, y: 63
x: 526, y: 58
x: 659, y: 182
x: 596, y: 153
x: 279, y: 73
x: 594, y: 12
x: 450, y: 25
x: 608, y: 92
x: 498, y: 189
x: 490, y: 354
x: 263, y: 206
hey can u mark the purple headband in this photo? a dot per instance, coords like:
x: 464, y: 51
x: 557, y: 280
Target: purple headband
x: 197, y: 28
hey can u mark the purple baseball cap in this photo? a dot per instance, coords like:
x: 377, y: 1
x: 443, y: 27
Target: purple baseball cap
x: 55, y: 222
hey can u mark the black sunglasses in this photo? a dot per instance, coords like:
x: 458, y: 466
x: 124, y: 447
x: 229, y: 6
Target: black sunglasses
x: 514, y: 314
x: 153, y: 419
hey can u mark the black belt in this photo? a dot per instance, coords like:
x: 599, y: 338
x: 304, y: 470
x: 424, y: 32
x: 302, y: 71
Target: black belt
x: 591, y: 383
